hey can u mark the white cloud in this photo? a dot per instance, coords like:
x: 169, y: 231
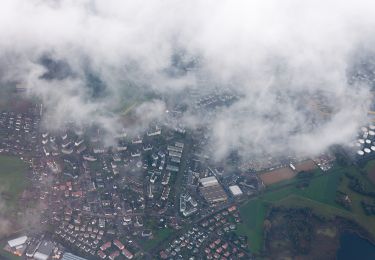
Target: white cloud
x: 275, y: 54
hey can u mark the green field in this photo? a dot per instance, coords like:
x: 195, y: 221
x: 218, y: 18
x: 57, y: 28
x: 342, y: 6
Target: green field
x: 369, y: 165
x: 159, y: 236
x: 322, y: 188
x: 252, y: 225
x: 8, y: 256
x: 319, y: 195
x: 12, y: 180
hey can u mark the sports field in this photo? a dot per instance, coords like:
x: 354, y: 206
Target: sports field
x: 277, y: 175
x: 286, y: 173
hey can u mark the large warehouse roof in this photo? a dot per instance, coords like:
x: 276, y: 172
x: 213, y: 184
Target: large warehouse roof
x: 235, y: 190
x: 213, y: 194
x: 17, y: 241
x: 44, y: 250
x: 69, y: 256
x: 209, y: 181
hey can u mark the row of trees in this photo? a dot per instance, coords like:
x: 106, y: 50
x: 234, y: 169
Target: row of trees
x: 356, y: 185
x: 369, y: 208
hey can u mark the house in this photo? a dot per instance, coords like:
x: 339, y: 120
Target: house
x: 105, y: 246
x: 114, y: 255
x: 118, y: 244
x: 127, y: 254
x: 101, y: 254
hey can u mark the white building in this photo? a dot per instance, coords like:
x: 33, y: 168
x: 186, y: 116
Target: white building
x: 235, y: 190
x: 17, y: 241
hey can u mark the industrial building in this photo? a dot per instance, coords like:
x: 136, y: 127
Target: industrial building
x: 17, y: 246
x: 211, y: 190
x: 44, y: 250
x: 209, y: 181
x: 69, y: 256
x: 17, y: 241
x: 235, y: 190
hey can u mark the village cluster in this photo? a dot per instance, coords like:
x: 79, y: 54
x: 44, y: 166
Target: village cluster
x: 157, y: 194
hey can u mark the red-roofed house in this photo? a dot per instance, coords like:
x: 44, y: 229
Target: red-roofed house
x: 106, y: 246
x: 114, y: 255
x: 118, y: 244
x: 101, y: 254
x: 127, y: 254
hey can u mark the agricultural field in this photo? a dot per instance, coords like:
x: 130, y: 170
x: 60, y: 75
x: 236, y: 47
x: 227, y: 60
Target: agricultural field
x: 318, y: 192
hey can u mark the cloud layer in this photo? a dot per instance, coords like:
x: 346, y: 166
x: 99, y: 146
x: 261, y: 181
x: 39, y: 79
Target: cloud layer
x: 286, y: 62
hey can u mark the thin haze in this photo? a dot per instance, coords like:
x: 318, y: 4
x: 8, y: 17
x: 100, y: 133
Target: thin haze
x: 280, y: 58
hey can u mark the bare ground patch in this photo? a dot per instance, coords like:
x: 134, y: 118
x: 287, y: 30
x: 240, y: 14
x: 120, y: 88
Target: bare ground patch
x: 277, y: 175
